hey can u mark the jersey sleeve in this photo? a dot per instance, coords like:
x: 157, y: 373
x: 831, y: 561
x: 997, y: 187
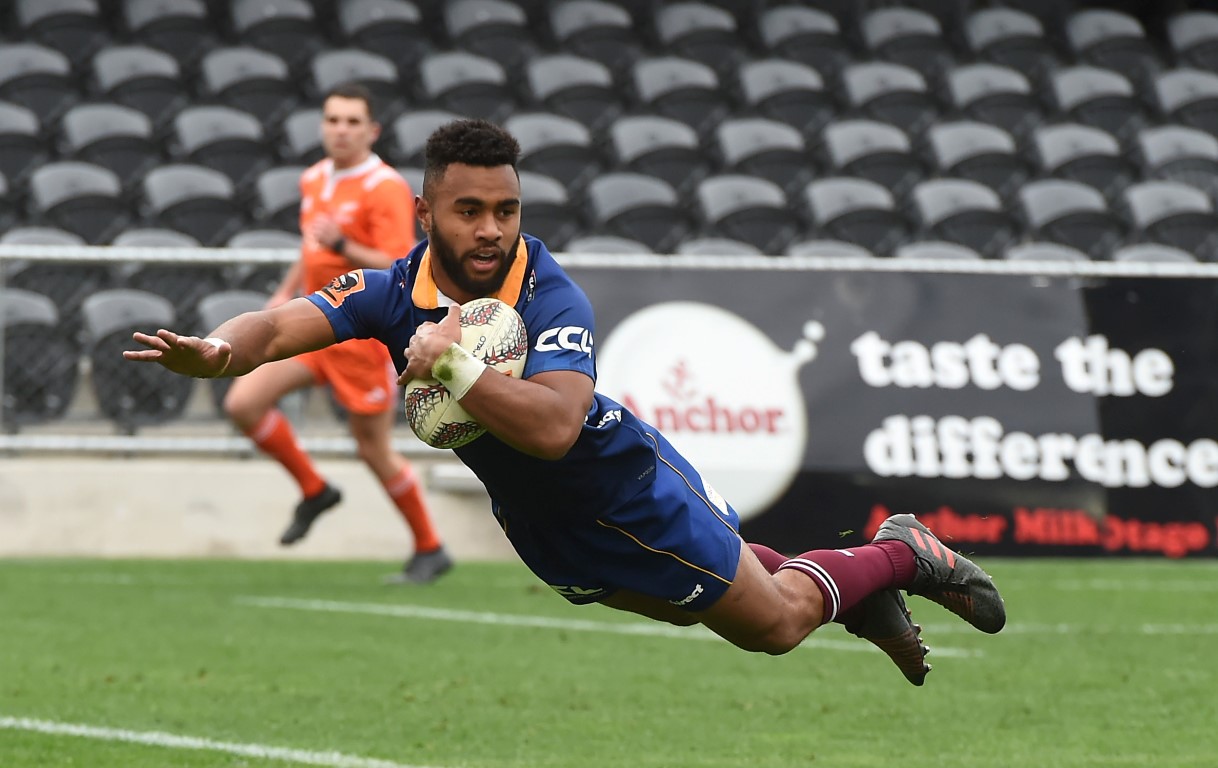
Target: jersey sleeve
x: 391, y: 217
x: 559, y: 321
x: 356, y: 303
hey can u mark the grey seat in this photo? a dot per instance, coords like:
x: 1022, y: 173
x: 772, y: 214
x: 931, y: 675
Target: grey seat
x: 377, y: 73
x: 601, y: 31
x: 83, y: 198
x: 22, y: 143
x: 154, y: 237
x: 869, y: 149
x: 1086, y: 154
x: 682, y: 89
x: 747, y: 208
x: 605, y: 244
x: 392, y: 28
x: 1152, y: 252
x: 830, y: 249
x: 67, y: 284
x: 1112, y: 39
x: 1044, y: 251
x: 41, y: 360
x: 262, y: 277
x: 891, y: 93
x: 856, y: 211
x: 1193, y: 37
x: 214, y: 309
x: 964, y: 212
x: 497, y: 29
x: 996, y: 95
x: 1190, y: 97
x: 702, y: 33
x: 1174, y: 214
x: 716, y: 246
x: 130, y: 395
x: 470, y: 85
x: 765, y: 148
x: 1071, y: 213
x: 639, y: 207
x: 75, y: 28
x: 910, y: 37
x: 181, y: 28
x: 968, y: 149
x: 1010, y: 37
x: 142, y: 78
x: 787, y: 91
x: 411, y: 131
x: 658, y: 146
x: 1100, y: 98
x: 547, y: 210
x: 286, y: 28
x: 37, y: 78
x: 805, y: 35
x: 113, y: 136
x: 1177, y: 153
x: 225, y: 139
x: 249, y: 79
x: 193, y: 199
x: 556, y: 146
x: 300, y: 134
x: 277, y: 197
x: 936, y: 249
x: 576, y: 87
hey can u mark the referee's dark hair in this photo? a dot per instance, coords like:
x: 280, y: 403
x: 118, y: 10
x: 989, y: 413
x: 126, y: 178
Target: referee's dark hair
x: 468, y: 142
x: 354, y: 91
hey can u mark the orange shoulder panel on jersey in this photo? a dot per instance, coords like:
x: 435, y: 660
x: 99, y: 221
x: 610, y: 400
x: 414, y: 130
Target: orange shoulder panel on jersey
x: 338, y: 289
x: 390, y: 204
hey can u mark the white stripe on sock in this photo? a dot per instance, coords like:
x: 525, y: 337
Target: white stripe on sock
x: 822, y: 576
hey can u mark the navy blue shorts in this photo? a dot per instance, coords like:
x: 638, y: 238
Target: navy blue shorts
x: 678, y: 540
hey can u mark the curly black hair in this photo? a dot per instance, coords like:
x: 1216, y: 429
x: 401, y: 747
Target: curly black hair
x: 468, y: 142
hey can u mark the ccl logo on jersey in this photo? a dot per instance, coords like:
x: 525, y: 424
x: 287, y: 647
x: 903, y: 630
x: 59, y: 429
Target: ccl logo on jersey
x: 570, y: 337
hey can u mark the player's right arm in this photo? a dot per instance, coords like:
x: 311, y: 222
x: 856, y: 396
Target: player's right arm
x: 241, y: 344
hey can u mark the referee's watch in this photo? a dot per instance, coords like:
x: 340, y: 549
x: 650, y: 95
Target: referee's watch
x: 339, y: 246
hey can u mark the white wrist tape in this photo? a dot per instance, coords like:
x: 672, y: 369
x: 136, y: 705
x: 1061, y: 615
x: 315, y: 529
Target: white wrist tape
x: 457, y: 370
x: 217, y: 343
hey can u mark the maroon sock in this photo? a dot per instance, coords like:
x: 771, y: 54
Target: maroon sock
x: 770, y: 560
x: 846, y: 576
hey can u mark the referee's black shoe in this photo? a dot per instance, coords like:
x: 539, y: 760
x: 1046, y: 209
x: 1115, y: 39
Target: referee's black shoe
x: 307, y: 511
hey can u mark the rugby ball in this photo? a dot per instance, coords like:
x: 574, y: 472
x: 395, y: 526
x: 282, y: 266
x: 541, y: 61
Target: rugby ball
x: 492, y: 332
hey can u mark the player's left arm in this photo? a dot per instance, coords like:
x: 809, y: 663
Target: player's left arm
x: 389, y: 212
x: 541, y: 416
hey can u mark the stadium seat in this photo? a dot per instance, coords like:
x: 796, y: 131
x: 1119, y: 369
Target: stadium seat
x: 964, y: 212
x: 658, y: 146
x: 1193, y: 38
x: 909, y: 37
x: 286, y: 28
x: 183, y: 283
x: 996, y: 95
x: 67, y: 283
x: 249, y: 79
x: 496, y: 29
x: 113, y: 136
x: 75, y: 28
x: 262, y: 277
x: 1011, y: 38
x: 301, y: 137
x: 787, y: 91
x: 872, y: 150
x: 547, y: 211
x: 131, y: 395
x: 600, y: 31
x: 857, y: 211
x: 766, y: 148
x: 716, y: 246
x: 331, y: 68
x: 1100, y: 98
x: 936, y: 249
x: 152, y: 237
x: 809, y: 36
x: 701, y: 33
x: 639, y: 207
x: 37, y: 78
x: 214, y: 309
x: 22, y: 143
x: 891, y: 93
x: 967, y: 149
x: 82, y: 198
x: 1152, y: 252
x: 192, y: 199
x: 222, y: 138
x: 277, y: 198
x: 414, y: 179
x: 392, y: 28
x: 33, y: 235
x: 679, y: 88
x: 473, y: 86
x: 579, y: 88
x: 827, y: 249
x: 1086, y: 154
x: 556, y: 146
x: 142, y: 78
x: 1174, y: 214
x: 1071, y: 213
x: 180, y: 28
x: 411, y: 131
x: 1113, y: 40
x: 1042, y: 251
x: 8, y: 209
x: 747, y: 208
x: 1189, y: 96
x: 605, y: 244
x: 1177, y: 153
x: 40, y: 361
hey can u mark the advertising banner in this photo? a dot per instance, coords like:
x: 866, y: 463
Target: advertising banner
x: 1017, y: 414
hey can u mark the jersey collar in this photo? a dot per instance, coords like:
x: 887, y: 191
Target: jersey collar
x: 426, y: 295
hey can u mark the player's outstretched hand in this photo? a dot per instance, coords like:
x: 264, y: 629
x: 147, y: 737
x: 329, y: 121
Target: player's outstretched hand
x: 187, y: 355
x: 430, y: 340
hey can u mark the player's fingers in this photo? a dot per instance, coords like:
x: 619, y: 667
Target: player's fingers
x: 142, y: 355
x: 169, y: 337
x: 153, y: 342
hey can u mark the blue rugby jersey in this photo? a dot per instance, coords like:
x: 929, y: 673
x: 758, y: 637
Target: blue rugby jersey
x: 613, y: 459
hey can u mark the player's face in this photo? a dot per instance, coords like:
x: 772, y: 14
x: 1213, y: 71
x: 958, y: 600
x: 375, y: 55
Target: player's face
x: 473, y: 223
x: 347, y: 131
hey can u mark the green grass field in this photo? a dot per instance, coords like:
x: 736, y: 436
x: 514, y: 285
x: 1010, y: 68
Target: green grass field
x: 216, y: 663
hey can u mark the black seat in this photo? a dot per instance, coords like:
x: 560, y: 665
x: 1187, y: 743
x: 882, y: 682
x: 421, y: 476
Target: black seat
x: 747, y: 208
x: 682, y: 89
x: 701, y: 33
x: 300, y: 140
x: 183, y: 283
x: 262, y: 276
x: 497, y: 29
x: 113, y: 136
x: 605, y: 244
x: 996, y: 95
x: 891, y: 93
x: 1177, y: 153
x: 576, y: 87
x: 192, y: 199
x: 392, y: 28
x: 142, y: 78
x: 555, y: 146
x: 214, y: 309
x: 1086, y: 154
x: 1189, y: 96
x: 601, y: 31
x: 1193, y: 38
x: 75, y: 28
x: 980, y: 152
x: 411, y: 131
x: 377, y: 73
x: 787, y: 91
x: 67, y: 283
x: 8, y: 210
x: 806, y: 35
x: 1011, y: 37
x: 225, y: 139
x: 546, y: 209
x: 41, y: 360
x: 910, y: 37
x: 22, y: 142
x: 639, y: 207
x: 249, y: 79
x: 1174, y: 214
x: 277, y: 198
x: 766, y: 148
x: 1111, y: 39
x: 964, y: 212
x: 180, y: 28
x: 80, y: 197
x: 1100, y: 98
x: 872, y: 150
x: 857, y: 211
x: 658, y: 146
x: 131, y: 395
x: 470, y: 85
x: 1071, y: 213
x: 37, y: 78
x: 286, y: 28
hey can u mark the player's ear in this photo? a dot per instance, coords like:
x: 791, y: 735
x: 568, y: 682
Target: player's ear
x: 422, y: 212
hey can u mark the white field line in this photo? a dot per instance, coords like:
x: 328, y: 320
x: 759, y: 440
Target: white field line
x: 1066, y: 628
x: 1120, y: 585
x: 651, y: 629
x: 176, y: 741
